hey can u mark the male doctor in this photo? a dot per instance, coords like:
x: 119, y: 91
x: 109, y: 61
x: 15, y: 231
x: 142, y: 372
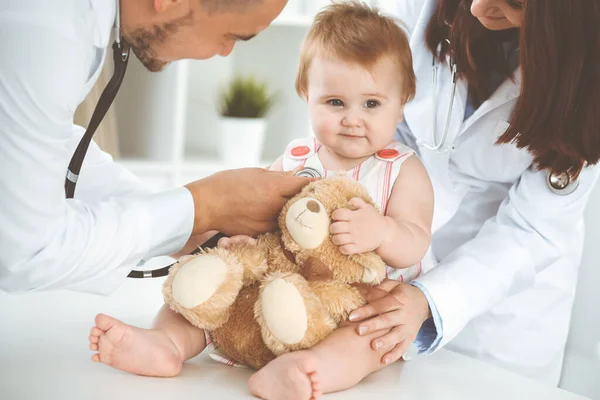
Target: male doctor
x: 51, y: 53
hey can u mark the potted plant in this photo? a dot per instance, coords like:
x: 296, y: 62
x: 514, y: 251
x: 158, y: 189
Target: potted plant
x: 243, y: 106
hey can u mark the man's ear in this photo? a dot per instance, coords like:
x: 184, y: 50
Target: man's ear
x: 161, y: 6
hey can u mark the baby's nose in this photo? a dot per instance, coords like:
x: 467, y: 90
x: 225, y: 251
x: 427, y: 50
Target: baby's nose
x: 313, y: 206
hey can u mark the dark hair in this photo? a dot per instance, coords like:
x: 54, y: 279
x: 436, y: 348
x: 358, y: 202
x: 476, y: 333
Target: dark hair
x: 557, y: 115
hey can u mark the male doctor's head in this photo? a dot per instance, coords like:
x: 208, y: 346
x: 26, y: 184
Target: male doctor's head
x: 161, y: 31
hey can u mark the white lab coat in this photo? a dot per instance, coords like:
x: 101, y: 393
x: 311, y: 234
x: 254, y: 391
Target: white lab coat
x: 51, y: 54
x: 506, y: 250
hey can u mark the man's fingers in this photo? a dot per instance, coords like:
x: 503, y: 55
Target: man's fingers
x: 242, y: 239
x: 292, y: 185
x: 224, y: 243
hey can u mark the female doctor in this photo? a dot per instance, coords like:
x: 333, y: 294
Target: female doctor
x: 512, y: 151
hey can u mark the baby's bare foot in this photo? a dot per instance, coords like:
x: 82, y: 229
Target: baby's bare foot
x: 292, y: 376
x: 135, y: 350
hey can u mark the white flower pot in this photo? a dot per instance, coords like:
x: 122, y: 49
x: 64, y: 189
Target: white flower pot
x: 242, y: 141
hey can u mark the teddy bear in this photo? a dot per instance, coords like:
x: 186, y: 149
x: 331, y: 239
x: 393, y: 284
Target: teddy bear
x: 285, y: 292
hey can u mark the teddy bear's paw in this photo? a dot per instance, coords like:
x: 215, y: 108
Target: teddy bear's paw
x: 339, y: 299
x: 290, y: 315
x: 203, y: 287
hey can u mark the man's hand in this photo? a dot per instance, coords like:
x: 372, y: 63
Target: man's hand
x: 243, y: 201
x: 396, y: 305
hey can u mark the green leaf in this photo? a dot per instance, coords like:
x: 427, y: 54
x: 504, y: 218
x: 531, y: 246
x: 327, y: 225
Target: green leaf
x: 245, y: 97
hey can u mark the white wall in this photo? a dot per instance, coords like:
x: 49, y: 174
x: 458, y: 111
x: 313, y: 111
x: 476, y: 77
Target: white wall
x: 581, y: 373
x: 272, y: 57
x: 287, y: 120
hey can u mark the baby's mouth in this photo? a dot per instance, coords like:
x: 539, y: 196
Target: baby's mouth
x: 352, y: 136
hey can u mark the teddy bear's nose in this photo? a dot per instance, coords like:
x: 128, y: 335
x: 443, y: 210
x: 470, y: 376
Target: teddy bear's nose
x: 313, y: 206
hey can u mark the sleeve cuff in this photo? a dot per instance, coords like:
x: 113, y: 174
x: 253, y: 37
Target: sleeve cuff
x: 431, y: 332
x: 170, y: 217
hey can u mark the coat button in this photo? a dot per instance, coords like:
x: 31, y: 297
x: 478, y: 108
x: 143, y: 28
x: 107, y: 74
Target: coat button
x: 300, y: 151
x: 388, y: 154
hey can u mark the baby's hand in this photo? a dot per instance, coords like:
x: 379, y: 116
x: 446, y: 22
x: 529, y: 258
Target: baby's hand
x: 359, y: 230
x: 227, y: 242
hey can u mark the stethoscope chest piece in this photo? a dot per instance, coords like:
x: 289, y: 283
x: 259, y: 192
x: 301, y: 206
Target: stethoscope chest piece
x: 561, y: 184
x: 309, y: 173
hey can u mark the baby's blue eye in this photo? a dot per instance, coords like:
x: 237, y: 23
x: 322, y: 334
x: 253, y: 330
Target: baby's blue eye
x: 336, y: 103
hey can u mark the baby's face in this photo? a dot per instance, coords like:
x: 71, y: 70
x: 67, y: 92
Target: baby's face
x: 354, y: 112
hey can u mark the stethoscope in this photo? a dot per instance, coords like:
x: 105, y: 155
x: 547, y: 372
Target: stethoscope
x: 440, y: 146
x: 121, y: 58
x: 561, y: 184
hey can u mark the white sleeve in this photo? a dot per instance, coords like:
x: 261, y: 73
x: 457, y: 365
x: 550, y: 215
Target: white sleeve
x: 46, y: 241
x: 100, y: 177
x: 408, y: 11
x: 531, y: 230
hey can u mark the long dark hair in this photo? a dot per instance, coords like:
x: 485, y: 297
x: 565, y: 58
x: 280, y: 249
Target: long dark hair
x: 557, y: 115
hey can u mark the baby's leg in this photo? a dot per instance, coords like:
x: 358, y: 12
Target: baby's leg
x: 327, y: 367
x: 160, y: 351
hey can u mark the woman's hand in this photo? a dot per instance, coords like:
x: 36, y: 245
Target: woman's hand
x: 393, y: 305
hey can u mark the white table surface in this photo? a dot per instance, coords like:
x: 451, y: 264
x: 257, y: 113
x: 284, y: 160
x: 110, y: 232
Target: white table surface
x: 44, y: 355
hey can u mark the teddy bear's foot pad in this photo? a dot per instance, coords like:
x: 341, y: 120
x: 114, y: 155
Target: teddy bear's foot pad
x: 290, y: 315
x: 198, y: 280
x: 203, y: 287
x: 280, y: 300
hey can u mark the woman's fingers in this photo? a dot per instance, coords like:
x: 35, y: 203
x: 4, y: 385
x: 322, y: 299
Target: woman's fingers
x: 377, y: 307
x: 386, y: 320
x: 396, y: 353
x: 388, y: 285
x: 389, y: 340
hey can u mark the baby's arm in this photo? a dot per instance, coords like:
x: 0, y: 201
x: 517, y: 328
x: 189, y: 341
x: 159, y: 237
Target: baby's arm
x: 408, y: 217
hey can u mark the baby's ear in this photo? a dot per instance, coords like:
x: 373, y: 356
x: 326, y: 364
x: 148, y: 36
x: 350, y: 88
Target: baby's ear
x: 304, y: 96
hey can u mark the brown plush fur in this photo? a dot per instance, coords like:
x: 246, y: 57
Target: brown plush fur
x: 324, y: 279
x: 240, y: 337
